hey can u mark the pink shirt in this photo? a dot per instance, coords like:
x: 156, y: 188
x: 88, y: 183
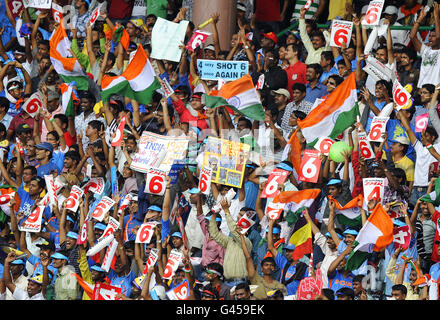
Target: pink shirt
x: 211, y: 250
x: 44, y: 130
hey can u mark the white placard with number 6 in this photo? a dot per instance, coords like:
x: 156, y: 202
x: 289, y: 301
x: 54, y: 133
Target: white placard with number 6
x: 364, y: 146
x: 378, y: 127
x: 341, y: 33
x: 205, y: 180
x: 310, y: 166
x: 156, y: 182
x: 145, y: 232
x: 323, y: 145
x: 400, y: 96
x: 374, y: 11
x: 173, y: 263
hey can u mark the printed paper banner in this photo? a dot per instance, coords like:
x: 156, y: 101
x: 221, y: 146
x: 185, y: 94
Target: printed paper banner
x: 310, y: 166
x: 323, y: 145
x: 205, y: 180
x: 166, y: 38
x: 33, y: 105
x: 378, y: 127
x: 227, y: 159
x: 102, y: 208
x: 402, y: 237
x: 341, y: 33
x: 174, y: 259
x: 112, y: 226
x: 103, y: 291
x: 260, y: 82
x: 50, y: 184
x: 152, y: 259
x: 95, y: 15
x: 197, y: 39
x: 156, y: 183
x: 175, y: 170
x: 100, y: 245
x: 377, y: 69
x: 421, y: 122
x: 33, y: 221
x: 57, y: 12
x: 109, y: 255
x: 227, y: 70
x: 6, y: 198
x: 95, y: 185
x: 364, y: 146
x: 16, y: 7
x: 246, y: 221
x: 274, y: 210
x: 150, y: 150
x: 373, y: 189
x: 119, y: 133
x: 39, y: 4
x: 145, y: 232
x: 72, y: 202
x: 374, y: 11
x: 400, y: 96
x: 181, y: 292
x: 83, y: 234
x: 276, y: 178
x: 125, y: 202
x: 166, y: 87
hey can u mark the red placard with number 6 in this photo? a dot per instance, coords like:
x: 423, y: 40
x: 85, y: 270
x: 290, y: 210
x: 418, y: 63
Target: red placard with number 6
x: 310, y: 166
x: 378, y: 126
x: 276, y: 177
x: 364, y: 146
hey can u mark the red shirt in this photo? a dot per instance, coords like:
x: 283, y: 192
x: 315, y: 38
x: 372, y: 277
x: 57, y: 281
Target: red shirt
x: 120, y: 9
x: 18, y: 119
x: 267, y: 10
x: 295, y: 74
x: 436, y: 219
x: 186, y: 116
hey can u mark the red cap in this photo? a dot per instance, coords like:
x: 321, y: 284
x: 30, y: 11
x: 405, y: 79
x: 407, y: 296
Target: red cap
x: 272, y: 36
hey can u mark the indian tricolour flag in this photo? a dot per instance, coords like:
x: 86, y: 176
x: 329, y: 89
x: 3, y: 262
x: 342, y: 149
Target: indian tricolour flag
x: 239, y: 95
x: 296, y: 202
x: 332, y: 116
x: 350, y: 213
x: 64, y: 64
x: 68, y: 96
x: 137, y: 82
x: 375, y: 235
x: 434, y: 196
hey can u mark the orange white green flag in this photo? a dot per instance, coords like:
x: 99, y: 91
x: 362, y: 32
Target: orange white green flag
x: 240, y: 95
x: 375, y: 235
x: 137, y: 82
x: 333, y: 115
x: 66, y: 65
x: 350, y: 213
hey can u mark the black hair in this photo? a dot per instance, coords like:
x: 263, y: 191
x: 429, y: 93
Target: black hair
x: 32, y: 168
x: 268, y: 259
x: 87, y: 95
x: 328, y: 55
x: 399, y: 287
x: 55, y: 134
x: 317, y: 67
x: 151, y: 15
x: 295, y: 47
x: 410, y: 52
x: 209, y: 287
x: 317, y: 33
x: 40, y: 181
x: 186, y: 90
x: 429, y: 87
x: 299, y: 86
x: 299, y: 114
x: 358, y: 278
x: 432, y: 132
x: 96, y: 124
x: 345, y: 291
x: 73, y: 155
x: 338, y: 79
x: 243, y: 285
x: 275, y: 53
x: 216, y: 266
x: 400, y: 173
x: 4, y: 103
x: 328, y: 293
x: 248, y: 122
x: 387, y: 85
x: 2, y: 127
x: 63, y: 118
x: 131, y: 137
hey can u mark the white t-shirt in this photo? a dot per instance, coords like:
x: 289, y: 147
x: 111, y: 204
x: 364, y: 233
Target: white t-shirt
x: 430, y: 67
x: 423, y: 160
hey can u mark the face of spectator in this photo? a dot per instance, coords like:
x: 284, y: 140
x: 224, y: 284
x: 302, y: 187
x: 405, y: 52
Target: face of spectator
x: 433, y: 39
x: 412, y: 276
x: 131, y: 29
x: 43, y: 49
x: 290, y: 53
x: 242, y: 294
x: 291, y: 39
x: 293, y: 120
x: 33, y: 288
x: 324, y: 62
x: 27, y: 175
x: 311, y: 75
x: 404, y: 60
x: 30, y: 147
x: 381, y: 55
x: 330, y: 243
x: 234, y: 40
x: 333, y: 191
x: 44, y: 64
x: 41, y: 154
x: 267, y: 268
x: 380, y: 91
x: 196, y: 104
x: 344, y: 298
x: 398, y: 295
x: 16, y: 93
x: 34, y: 188
x: 266, y: 43
x: 357, y: 287
x: 177, y: 242
x: 331, y: 85
x: 343, y: 70
x: 241, y: 125
x: 424, y: 208
x: 209, y: 54
x: 349, y: 239
x: 425, y: 95
x: 86, y: 105
x: 351, y: 53
x: 298, y: 95
x: 269, y: 60
x: 282, y: 53
x: 280, y: 99
x: 317, y: 42
x: 70, y: 243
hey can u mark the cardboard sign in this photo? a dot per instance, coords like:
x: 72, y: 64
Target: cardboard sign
x: 125, y: 202
x: 72, y: 202
x: 365, y: 149
x: 104, y: 291
x: 401, y: 237
x: 33, y: 105
x: 310, y: 166
x: 150, y: 152
x: 378, y: 127
x: 166, y: 37
x: 341, y: 33
x: 276, y: 178
x: 6, y: 198
x: 95, y: 15
x: 39, y: 4
x: 323, y: 145
x: 421, y: 122
x: 119, y: 133
x: 308, y: 4
x: 50, y: 184
x: 173, y: 263
x: 226, y: 70
x: 145, y: 232
x: 197, y: 39
x: 33, y: 221
x: 377, y: 70
x: 274, y: 210
x: 112, y: 226
x: 310, y: 287
x: 16, y: 7
x: 246, y: 221
x: 100, y: 245
x: 57, y: 12
x: 166, y: 87
x: 109, y: 255
x: 229, y: 196
x: 373, y: 188
x: 95, y: 185
x: 227, y: 159
x: 175, y: 170
x: 400, y: 96
x: 156, y: 183
x: 83, y: 234
x: 102, y: 208
x: 260, y: 82
x: 205, y: 180
x: 152, y: 259
x: 181, y: 292
x: 374, y: 11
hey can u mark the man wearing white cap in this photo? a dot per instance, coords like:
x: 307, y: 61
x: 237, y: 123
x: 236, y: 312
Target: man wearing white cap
x: 398, y: 36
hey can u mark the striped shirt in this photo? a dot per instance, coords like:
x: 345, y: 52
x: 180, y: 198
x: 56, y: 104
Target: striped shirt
x: 309, y: 14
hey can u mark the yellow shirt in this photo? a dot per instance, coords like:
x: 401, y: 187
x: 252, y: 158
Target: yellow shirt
x: 337, y: 8
x: 411, y: 294
x: 407, y: 165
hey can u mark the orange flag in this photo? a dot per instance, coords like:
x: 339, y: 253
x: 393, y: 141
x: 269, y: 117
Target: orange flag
x: 87, y: 287
x: 295, y: 151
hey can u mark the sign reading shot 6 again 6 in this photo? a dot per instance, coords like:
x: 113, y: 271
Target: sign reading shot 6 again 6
x: 225, y: 70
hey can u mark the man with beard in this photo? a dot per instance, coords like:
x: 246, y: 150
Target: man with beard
x: 408, y: 73
x: 281, y: 98
x: 87, y: 102
x: 314, y: 88
x: 242, y: 292
x: 128, y: 148
x: 66, y: 284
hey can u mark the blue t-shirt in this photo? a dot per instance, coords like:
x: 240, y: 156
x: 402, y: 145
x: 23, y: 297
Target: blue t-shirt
x: 123, y: 282
x: 339, y: 281
x: 281, y: 262
x: 379, y: 105
x: 130, y: 223
x: 38, y: 267
x: 46, y: 169
x: 434, y: 271
x: 317, y: 92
